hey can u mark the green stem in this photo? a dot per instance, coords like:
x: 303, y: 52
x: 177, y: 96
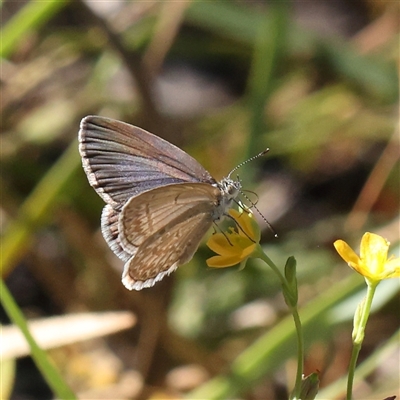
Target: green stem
x: 299, y: 329
x: 270, y: 263
x: 352, y: 367
x: 300, y: 354
x: 359, y: 333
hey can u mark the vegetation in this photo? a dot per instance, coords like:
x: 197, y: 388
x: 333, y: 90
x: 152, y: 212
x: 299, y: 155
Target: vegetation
x: 224, y: 81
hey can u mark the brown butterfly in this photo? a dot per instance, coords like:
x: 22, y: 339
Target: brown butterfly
x: 160, y: 201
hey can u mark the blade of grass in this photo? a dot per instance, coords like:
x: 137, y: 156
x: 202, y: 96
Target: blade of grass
x: 49, y: 372
x: 33, y: 15
x: 270, y: 47
x: 36, y: 208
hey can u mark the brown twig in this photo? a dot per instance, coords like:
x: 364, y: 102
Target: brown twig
x: 134, y: 65
x: 373, y: 186
x: 167, y: 27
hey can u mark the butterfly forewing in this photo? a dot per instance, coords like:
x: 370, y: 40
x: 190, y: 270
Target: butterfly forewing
x: 167, y: 233
x: 122, y: 160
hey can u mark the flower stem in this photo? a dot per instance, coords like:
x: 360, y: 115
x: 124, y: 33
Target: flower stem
x: 299, y: 330
x: 300, y: 353
x: 359, y: 333
x: 270, y: 263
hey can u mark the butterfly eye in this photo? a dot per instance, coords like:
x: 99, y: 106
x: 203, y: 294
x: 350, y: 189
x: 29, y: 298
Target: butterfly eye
x: 232, y: 189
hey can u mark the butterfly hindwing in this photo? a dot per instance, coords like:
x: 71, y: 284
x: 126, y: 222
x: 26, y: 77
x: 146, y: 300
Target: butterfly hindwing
x: 174, y: 236
x: 147, y: 214
x: 109, y: 229
x: 168, y: 226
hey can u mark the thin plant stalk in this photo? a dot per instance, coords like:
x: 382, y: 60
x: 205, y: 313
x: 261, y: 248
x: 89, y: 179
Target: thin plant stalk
x: 359, y: 333
x: 299, y: 330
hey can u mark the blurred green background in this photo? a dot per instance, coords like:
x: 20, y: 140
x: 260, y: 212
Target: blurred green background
x: 316, y: 82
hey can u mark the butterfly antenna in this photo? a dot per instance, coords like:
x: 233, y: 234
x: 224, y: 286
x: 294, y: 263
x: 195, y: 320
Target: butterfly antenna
x: 253, y: 193
x: 246, y: 161
x: 259, y: 213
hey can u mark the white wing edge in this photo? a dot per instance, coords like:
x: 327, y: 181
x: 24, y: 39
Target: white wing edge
x: 111, y: 238
x: 131, y: 284
x: 82, y: 134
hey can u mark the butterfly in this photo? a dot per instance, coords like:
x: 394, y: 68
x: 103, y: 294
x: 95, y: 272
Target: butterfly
x: 160, y: 201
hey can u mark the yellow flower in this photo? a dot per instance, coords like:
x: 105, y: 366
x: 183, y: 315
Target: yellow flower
x: 373, y: 263
x: 235, y: 246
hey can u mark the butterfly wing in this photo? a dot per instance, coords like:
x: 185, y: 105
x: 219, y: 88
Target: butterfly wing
x: 109, y: 229
x: 162, y: 229
x: 122, y: 160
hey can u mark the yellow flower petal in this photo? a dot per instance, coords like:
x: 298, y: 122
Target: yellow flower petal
x: 228, y: 243
x: 373, y: 263
x: 347, y: 253
x: 248, y: 225
x: 230, y: 260
x: 222, y: 262
x: 393, y: 268
x: 249, y: 250
x: 235, y: 245
x: 373, y: 252
x: 217, y: 243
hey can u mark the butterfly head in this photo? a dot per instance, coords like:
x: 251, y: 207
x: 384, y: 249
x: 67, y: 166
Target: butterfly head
x: 229, y: 191
x: 230, y: 188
